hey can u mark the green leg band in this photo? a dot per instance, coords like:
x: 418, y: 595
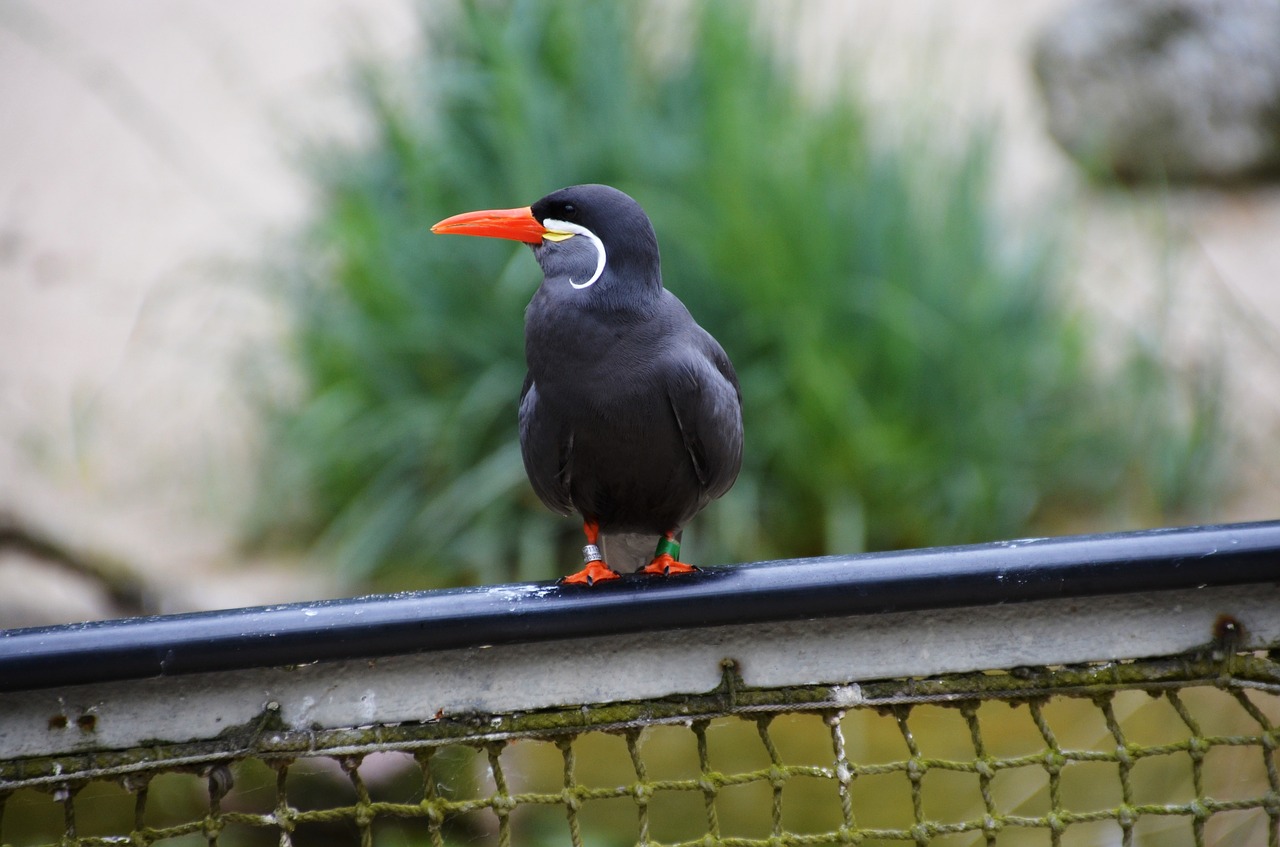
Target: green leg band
x: 669, y: 546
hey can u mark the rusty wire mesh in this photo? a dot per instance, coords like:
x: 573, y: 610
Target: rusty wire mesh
x: 1181, y: 750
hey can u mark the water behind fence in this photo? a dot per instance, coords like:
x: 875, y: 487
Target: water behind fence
x: 1148, y: 716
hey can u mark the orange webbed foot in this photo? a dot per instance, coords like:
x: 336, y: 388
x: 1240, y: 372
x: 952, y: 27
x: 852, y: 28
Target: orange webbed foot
x: 665, y: 565
x: 595, y: 571
x: 664, y: 558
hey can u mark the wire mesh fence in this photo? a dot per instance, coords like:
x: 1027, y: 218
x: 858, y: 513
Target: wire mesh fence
x: 1170, y: 751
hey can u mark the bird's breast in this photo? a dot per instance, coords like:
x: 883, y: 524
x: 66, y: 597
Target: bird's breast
x: 603, y: 382
x: 612, y: 357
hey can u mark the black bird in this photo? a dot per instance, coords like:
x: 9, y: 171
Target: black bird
x: 631, y: 413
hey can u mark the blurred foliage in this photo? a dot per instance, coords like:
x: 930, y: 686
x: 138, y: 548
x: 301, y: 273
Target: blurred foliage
x: 910, y: 376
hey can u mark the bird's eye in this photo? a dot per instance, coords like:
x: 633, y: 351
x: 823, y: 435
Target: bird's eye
x: 570, y: 210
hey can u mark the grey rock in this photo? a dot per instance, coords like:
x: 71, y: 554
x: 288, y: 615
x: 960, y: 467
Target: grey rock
x: 1177, y: 89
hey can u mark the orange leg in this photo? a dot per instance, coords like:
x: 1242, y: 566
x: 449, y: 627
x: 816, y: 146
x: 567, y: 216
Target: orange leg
x: 595, y: 569
x: 664, y: 559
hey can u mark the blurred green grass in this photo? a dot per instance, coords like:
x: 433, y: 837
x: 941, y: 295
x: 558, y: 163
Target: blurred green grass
x: 909, y: 371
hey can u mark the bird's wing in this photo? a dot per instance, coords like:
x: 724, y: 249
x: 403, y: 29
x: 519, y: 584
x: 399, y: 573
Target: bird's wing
x: 545, y: 450
x: 707, y: 403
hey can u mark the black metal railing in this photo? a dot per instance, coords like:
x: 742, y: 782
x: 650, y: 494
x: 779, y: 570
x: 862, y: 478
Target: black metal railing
x: 936, y: 578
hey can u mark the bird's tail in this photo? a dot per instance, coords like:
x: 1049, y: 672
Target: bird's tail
x: 626, y: 551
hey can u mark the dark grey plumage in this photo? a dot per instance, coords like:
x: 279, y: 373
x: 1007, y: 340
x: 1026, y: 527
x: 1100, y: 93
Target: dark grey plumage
x: 631, y: 414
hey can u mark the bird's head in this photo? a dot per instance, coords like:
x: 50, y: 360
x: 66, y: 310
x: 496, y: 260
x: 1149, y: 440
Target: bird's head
x: 588, y: 237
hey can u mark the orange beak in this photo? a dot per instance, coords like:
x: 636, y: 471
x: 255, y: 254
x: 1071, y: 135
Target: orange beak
x: 515, y: 224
